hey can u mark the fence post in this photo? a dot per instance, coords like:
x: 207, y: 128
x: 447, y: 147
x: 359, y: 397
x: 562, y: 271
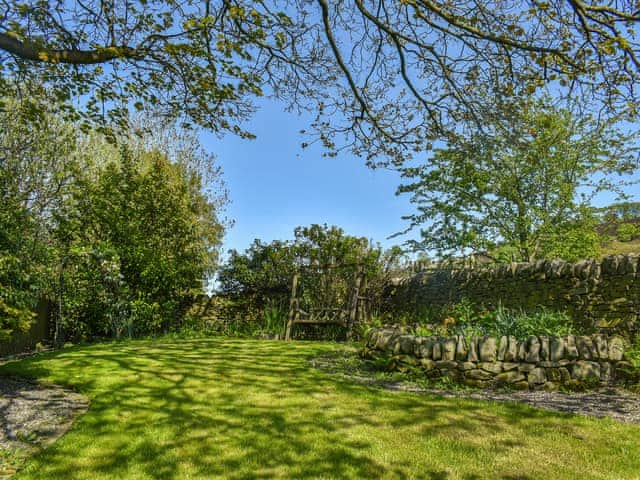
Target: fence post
x: 292, y: 306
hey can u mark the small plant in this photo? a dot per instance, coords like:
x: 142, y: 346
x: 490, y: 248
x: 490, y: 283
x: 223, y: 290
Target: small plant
x: 30, y: 437
x: 631, y: 374
x: 463, y: 313
x: 627, y: 232
x: 632, y: 354
x: 274, y: 320
x: 503, y: 321
x: 424, y: 331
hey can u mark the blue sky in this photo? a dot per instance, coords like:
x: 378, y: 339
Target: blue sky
x: 275, y: 185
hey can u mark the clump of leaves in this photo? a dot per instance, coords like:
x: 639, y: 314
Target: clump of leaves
x: 467, y: 319
x: 627, y: 232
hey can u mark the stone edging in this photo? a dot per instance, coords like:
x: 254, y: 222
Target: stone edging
x: 537, y: 363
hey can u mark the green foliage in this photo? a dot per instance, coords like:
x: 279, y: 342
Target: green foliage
x: 152, y: 214
x: 38, y: 162
x: 16, y: 313
x: 145, y: 317
x: 619, y: 212
x: 630, y: 374
x: 627, y: 232
x: 523, y: 324
x: 259, y: 280
x: 572, y: 241
x: 472, y: 320
x: 94, y: 294
x: 632, y: 353
x: 275, y: 319
x: 207, y: 63
x: 123, y: 237
x: 513, y: 184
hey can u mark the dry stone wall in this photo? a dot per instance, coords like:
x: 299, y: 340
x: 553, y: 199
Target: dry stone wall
x: 540, y: 362
x: 602, y: 295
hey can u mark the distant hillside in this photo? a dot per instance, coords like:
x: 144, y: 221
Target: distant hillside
x: 615, y: 247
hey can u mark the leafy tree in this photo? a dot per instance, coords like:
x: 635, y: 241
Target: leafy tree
x: 400, y: 73
x: 38, y: 164
x: 327, y: 259
x: 77, y: 214
x: 515, y: 182
x: 163, y: 233
x: 574, y: 240
x: 627, y: 232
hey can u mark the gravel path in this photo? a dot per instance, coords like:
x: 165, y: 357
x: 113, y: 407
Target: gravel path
x: 31, y: 417
x: 606, y: 402
x: 615, y: 403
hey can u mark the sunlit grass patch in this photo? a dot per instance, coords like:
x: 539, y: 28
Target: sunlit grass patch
x: 212, y: 408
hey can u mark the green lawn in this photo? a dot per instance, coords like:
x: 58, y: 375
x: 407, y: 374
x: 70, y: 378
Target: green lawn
x: 239, y: 409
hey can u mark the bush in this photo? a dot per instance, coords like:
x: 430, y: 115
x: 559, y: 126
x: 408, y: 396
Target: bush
x: 466, y: 319
x: 627, y: 232
x: 259, y: 280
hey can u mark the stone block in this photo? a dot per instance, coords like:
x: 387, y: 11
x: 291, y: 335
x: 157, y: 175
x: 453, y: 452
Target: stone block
x: 461, y: 349
x: 491, y: 367
x: 473, y: 350
x: 526, y: 367
x: 544, y: 348
x: 510, y: 377
x: 584, y: 346
x: 606, y: 372
x: 449, y: 349
x: 424, y: 349
x: 446, y: 365
x: 616, y: 348
x: 478, y: 374
x: 558, y: 375
x: 476, y: 383
x: 585, y: 371
x: 384, y: 339
x: 503, y: 345
x: 508, y: 366
x: 436, y: 351
x: 427, y: 364
x: 522, y: 351
x: 537, y: 376
x: 487, y: 349
x: 571, y: 351
x: 394, y: 346
x: 464, y: 366
x: 600, y: 343
x: 511, y: 355
x: 533, y: 350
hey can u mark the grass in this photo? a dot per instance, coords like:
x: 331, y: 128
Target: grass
x: 615, y: 247
x: 244, y: 409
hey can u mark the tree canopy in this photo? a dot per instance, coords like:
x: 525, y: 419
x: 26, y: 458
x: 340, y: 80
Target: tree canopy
x: 383, y: 77
x: 117, y: 236
x: 524, y: 181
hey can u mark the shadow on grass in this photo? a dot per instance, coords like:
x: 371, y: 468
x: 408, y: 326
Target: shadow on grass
x: 245, y: 409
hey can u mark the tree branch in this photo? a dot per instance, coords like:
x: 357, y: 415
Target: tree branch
x: 32, y: 51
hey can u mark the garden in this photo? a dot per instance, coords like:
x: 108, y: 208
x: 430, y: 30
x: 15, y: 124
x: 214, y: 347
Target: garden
x: 494, y: 333
x: 227, y: 408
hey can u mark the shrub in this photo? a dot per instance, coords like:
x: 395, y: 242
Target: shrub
x: 627, y: 232
x: 275, y: 319
x: 470, y: 321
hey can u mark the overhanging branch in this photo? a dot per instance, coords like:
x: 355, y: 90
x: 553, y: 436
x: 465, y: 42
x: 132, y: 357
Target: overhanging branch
x: 31, y: 51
